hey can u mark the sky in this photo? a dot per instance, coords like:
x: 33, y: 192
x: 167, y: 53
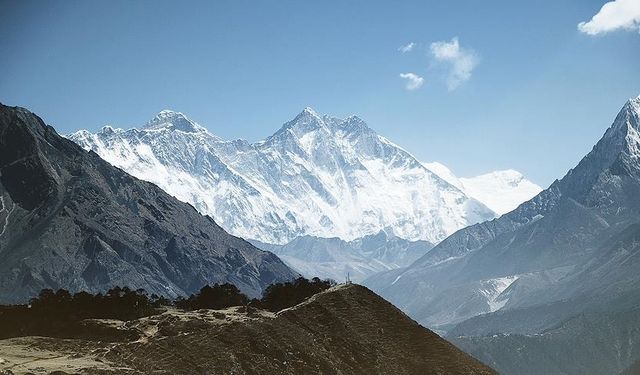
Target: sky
x: 477, y: 86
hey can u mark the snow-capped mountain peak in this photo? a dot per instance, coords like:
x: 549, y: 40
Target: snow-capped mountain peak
x: 110, y: 129
x: 310, y: 111
x: 172, y: 120
x: 305, y: 122
x: 308, y: 121
x: 632, y: 113
x: 307, y: 116
x: 628, y: 118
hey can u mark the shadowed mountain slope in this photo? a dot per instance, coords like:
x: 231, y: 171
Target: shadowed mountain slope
x: 68, y: 219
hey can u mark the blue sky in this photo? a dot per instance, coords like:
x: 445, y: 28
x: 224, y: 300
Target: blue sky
x: 524, y: 89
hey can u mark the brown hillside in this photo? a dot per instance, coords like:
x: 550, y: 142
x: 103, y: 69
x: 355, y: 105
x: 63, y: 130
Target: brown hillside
x: 345, y: 330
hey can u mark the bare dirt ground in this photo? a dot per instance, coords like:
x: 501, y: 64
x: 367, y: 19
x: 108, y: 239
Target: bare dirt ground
x: 41, y: 355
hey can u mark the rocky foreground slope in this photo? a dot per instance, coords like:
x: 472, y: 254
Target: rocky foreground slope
x: 344, y: 330
x: 68, y: 219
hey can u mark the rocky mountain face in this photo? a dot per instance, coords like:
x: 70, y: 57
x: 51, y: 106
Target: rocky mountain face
x: 346, y: 329
x: 68, y: 219
x: 336, y: 259
x: 317, y: 176
x: 571, y: 249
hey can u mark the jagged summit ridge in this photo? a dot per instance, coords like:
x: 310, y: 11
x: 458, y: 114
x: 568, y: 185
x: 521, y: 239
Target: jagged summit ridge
x: 172, y: 120
x: 305, y: 122
x: 624, y: 128
x: 628, y: 122
x: 308, y: 121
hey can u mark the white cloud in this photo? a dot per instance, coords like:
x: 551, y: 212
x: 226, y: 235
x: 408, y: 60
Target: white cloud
x: 461, y: 61
x: 614, y: 15
x: 414, y: 81
x: 407, y: 47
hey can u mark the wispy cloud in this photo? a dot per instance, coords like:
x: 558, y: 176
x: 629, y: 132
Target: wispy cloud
x: 614, y: 15
x: 460, y: 61
x: 413, y: 81
x: 407, y: 47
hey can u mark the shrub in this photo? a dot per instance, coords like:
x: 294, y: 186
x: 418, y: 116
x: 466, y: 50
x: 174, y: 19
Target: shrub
x: 283, y: 295
x: 214, y: 297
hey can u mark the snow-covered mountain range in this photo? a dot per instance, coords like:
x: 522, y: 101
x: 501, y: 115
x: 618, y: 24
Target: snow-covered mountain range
x: 317, y: 176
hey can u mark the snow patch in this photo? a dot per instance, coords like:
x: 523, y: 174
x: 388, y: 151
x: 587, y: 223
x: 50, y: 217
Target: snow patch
x: 492, y: 290
x: 8, y: 213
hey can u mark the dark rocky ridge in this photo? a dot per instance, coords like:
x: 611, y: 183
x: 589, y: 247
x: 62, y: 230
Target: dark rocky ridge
x: 71, y: 220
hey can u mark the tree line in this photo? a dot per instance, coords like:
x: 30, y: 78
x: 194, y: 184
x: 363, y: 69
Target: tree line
x: 275, y: 297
